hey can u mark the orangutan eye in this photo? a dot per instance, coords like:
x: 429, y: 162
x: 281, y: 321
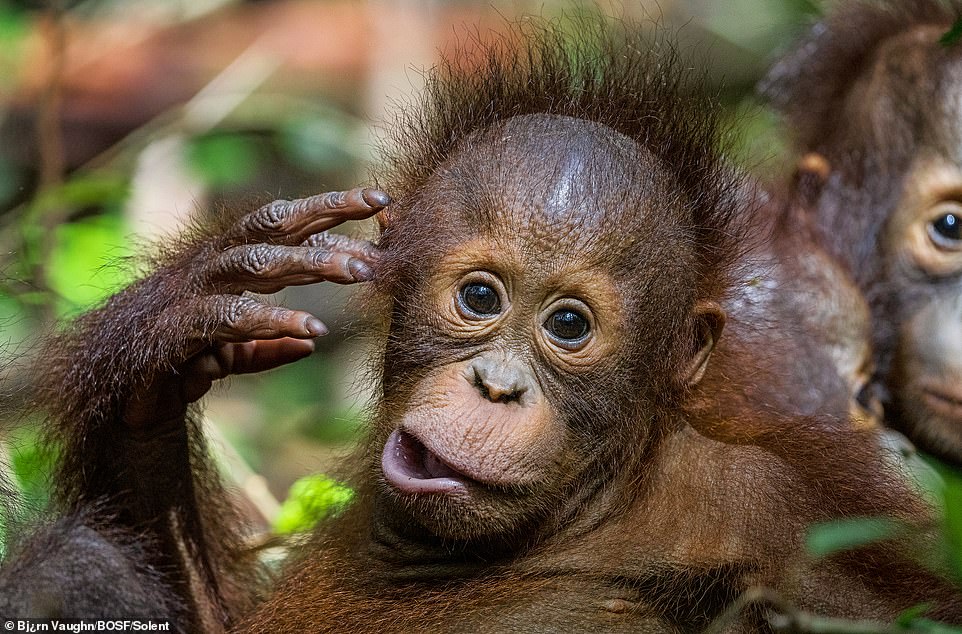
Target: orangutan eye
x: 870, y: 396
x: 946, y: 230
x: 480, y: 299
x: 567, y: 325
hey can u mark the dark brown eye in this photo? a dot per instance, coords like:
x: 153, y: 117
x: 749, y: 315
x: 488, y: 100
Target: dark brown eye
x: 947, y: 230
x: 567, y: 325
x: 480, y: 299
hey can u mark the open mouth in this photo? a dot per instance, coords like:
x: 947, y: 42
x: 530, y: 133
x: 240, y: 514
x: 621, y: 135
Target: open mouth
x: 410, y: 467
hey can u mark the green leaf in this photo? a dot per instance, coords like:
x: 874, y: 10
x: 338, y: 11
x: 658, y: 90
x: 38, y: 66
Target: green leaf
x: 14, y: 22
x: 832, y: 537
x: 15, y: 31
x: 906, y: 618
x: 310, y: 500
x: 950, y: 496
x: 953, y: 35
x: 83, y: 265
x: 928, y: 626
x: 953, y: 523
x: 91, y: 189
x: 223, y: 160
x: 32, y: 466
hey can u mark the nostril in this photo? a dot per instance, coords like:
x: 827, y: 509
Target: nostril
x: 512, y: 395
x: 479, y: 384
x: 502, y: 396
x: 496, y: 393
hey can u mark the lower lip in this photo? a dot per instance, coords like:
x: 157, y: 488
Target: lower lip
x: 410, y: 467
x: 942, y: 403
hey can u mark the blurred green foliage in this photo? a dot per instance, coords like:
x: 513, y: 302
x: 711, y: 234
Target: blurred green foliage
x: 758, y: 26
x: 78, y: 255
x: 949, y: 494
x: 832, y: 537
x: 86, y: 264
x: 31, y: 465
x: 311, y: 499
x: 77, y: 234
x: 66, y: 248
x: 319, y: 142
x: 15, y: 27
x: 223, y: 159
x: 943, y: 485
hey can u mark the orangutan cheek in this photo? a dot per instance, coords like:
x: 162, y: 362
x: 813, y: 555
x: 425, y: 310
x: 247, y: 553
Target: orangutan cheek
x: 929, y: 361
x: 493, y: 441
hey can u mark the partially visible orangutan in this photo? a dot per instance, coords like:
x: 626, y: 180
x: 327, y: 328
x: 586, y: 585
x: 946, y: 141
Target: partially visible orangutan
x: 134, y: 475
x: 544, y: 454
x: 872, y: 97
x: 820, y: 365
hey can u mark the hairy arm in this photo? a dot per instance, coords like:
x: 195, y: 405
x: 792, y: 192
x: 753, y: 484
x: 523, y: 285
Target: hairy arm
x: 117, y: 386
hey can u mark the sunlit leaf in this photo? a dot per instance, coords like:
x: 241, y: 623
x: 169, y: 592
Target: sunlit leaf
x: 846, y: 534
x: 32, y: 466
x: 84, y: 266
x: 311, y: 499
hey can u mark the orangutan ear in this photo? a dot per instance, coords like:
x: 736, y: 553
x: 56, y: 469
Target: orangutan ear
x: 709, y: 323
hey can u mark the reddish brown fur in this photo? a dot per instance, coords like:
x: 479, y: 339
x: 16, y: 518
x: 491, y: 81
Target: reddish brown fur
x: 819, y: 87
x: 150, y: 483
x: 650, y: 525
x: 818, y: 365
x: 869, y: 91
x: 684, y: 525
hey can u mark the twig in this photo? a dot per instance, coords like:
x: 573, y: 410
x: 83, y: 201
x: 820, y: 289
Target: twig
x: 253, y: 485
x: 208, y: 108
x: 755, y: 596
x: 785, y: 617
x: 50, y: 142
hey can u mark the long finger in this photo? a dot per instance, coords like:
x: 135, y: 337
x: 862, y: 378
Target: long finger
x: 233, y: 319
x: 266, y: 268
x: 362, y: 249
x: 293, y: 221
x: 225, y: 359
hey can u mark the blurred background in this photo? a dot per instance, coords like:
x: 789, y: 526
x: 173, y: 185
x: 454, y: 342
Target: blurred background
x: 119, y: 119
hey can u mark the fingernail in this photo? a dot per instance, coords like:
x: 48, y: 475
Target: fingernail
x: 315, y: 327
x: 376, y: 198
x: 360, y: 270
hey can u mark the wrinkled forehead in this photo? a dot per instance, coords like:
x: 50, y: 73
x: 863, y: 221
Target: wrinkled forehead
x: 561, y: 184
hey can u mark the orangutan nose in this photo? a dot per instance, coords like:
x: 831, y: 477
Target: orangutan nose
x: 499, y: 379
